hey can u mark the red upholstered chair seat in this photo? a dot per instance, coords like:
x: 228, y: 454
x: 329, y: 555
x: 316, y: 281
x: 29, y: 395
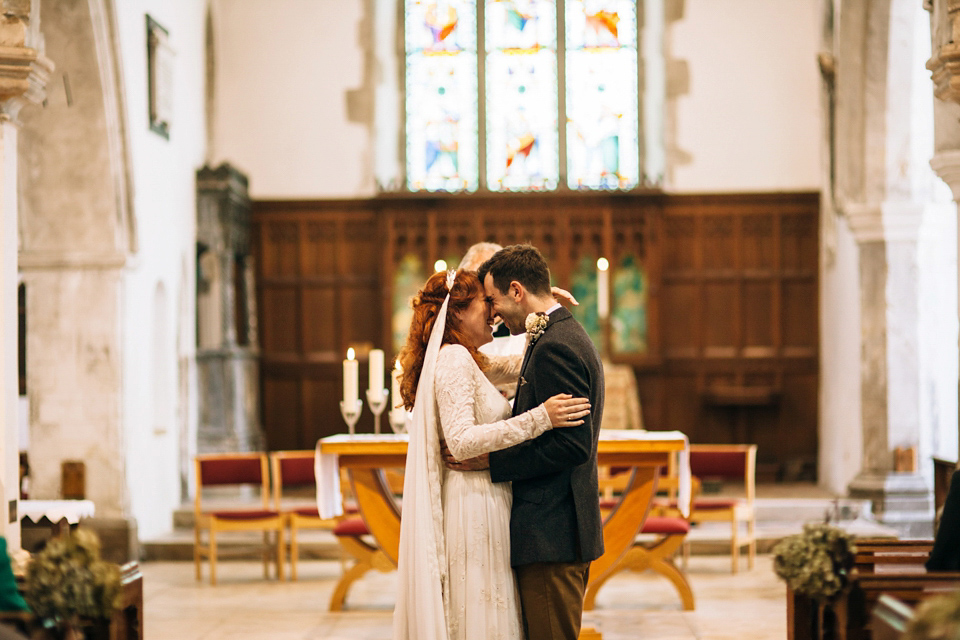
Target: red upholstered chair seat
x: 307, y: 512
x: 351, y: 527
x: 665, y: 525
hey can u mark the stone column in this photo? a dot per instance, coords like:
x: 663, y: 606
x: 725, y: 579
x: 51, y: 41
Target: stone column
x: 226, y: 350
x: 23, y: 75
x: 891, y: 370
x: 888, y: 194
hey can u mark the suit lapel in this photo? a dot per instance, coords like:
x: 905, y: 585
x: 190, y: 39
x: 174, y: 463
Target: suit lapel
x: 555, y: 317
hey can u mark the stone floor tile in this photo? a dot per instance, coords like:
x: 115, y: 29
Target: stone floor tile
x: 750, y: 604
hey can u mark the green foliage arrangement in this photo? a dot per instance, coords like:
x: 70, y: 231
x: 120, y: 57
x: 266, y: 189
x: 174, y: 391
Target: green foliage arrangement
x: 67, y: 583
x: 936, y: 618
x: 817, y: 562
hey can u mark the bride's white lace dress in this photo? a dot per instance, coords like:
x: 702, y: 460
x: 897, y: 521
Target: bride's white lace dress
x: 474, y: 419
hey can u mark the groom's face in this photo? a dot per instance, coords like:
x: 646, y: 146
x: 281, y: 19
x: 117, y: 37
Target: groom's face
x: 505, y: 306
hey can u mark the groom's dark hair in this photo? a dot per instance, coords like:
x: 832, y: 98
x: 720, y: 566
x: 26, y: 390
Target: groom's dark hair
x: 521, y: 262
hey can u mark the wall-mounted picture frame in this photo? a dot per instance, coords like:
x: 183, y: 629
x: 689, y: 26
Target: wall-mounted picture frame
x: 159, y: 78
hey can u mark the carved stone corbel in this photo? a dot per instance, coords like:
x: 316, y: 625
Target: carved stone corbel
x: 945, y: 63
x: 23, y: 78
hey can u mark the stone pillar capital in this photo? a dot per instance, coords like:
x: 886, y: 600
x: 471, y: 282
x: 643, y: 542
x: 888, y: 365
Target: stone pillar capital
x: 884, y: 221
x: 947, y: 166
x: 945, y: 62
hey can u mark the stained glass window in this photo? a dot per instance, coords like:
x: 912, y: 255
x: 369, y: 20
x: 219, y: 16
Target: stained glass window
x: 601, y: 92
x: 441, y: 95
x: 521, y: 104
x: 503, y: 79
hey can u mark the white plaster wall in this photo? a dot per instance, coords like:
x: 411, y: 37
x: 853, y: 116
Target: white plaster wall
x: 165, y: 211
x: 841, y: 441
x: 751, y: 119
x: 282, y: 79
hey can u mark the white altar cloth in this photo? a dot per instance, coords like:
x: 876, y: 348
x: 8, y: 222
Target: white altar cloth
x: 329, y: 499
x: 55, y: 510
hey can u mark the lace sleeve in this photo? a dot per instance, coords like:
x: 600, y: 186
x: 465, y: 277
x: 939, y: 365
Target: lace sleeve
x: 503, y: 369
x: 457, y: 380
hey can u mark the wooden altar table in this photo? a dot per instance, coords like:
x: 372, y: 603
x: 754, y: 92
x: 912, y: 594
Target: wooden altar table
x: 365, y: 456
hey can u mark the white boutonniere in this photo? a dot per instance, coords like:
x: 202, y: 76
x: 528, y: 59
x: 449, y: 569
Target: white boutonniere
x: 536, y: 324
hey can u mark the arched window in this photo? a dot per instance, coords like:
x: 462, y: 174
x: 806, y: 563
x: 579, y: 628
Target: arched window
x: 528, y: 95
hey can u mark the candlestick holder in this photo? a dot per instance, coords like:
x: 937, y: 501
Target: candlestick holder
x: 377, y: 406
x: 398, y: 420
x: 351, y: 414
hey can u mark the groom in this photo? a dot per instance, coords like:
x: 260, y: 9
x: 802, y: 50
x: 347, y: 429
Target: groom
x: 555, y: 529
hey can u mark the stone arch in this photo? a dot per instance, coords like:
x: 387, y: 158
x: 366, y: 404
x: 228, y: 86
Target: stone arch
x: 77, y: 231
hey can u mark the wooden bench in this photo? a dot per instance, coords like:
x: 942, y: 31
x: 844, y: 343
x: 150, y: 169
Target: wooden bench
x: 885, y: 570
x: 885, y: 555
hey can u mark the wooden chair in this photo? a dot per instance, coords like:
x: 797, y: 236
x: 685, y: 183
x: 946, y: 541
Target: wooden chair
x: 669, y: 529
x: 292, y: 471
x: 730, y: 462
x: 237, y: 470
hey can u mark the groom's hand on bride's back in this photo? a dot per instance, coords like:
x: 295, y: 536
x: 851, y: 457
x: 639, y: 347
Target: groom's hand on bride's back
x: 480, y: 463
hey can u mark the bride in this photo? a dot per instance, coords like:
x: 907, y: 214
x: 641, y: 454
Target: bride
x: 455, y: 579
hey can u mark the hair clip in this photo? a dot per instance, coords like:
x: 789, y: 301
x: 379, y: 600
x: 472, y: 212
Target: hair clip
x: 451, y: 277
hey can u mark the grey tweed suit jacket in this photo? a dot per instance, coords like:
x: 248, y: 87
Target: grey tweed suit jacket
x: 556, y: 513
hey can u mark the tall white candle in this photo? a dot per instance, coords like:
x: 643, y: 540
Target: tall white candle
x: 603, y: 288
x: 395, y: 399
x: 351, y: 371
x: 376, y: 375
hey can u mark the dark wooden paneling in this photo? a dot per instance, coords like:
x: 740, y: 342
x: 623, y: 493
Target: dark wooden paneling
x: 732, y: 301
x: 740, y: 311
x: 319, y: 291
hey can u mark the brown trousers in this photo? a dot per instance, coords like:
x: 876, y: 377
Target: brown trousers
x: 551, y: 598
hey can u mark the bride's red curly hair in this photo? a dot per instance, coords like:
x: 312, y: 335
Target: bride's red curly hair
x: 426, y: 305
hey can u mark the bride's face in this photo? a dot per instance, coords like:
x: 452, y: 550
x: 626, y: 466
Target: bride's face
x: 477, y: 322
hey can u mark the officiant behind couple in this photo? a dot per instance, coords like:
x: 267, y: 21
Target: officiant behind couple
x: 501, y: 552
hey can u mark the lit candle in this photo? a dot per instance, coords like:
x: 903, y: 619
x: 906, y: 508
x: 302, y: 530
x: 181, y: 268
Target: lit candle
x: 603, y: 288
x: 397, y: 403
x: 350, y: 380
x: 376, y: 375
